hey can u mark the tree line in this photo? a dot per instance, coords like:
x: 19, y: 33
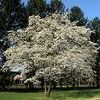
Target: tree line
x: 14, y: 14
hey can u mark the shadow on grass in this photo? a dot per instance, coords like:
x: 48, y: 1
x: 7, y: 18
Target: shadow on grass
x: 62, y: 93
x: 21, y: 90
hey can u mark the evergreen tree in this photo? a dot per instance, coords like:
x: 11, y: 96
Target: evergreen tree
x: 94, y: 24
x: 17, y: 16
x: 57, y: 5
x: 76, y: 14
x: 3, y: 23
x: 37, y: 7
x: 3, y: 40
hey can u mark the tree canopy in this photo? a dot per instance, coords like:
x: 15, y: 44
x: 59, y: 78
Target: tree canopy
x: 51, y: 51
x: 57, y: 5
x: 76, y: 14
x: 16, y: 14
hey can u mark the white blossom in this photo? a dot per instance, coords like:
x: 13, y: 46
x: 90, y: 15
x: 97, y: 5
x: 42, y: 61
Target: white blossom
x: 53, y: 46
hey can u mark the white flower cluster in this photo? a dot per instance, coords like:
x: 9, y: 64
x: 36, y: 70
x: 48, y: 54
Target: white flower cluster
x: 53, y: 46
x: 32, y: 80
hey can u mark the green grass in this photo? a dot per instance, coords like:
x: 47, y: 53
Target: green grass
x: 55, y: 95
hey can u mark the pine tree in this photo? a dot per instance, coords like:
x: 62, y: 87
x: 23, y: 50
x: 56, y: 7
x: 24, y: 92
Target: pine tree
x: 76, y: 14
x: 17, y: 16
x: 37, y: 7
x: 94, y: 24
x: 57, y: 5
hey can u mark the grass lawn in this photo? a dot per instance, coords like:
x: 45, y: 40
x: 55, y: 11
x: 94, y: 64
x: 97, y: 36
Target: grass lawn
x: 55, y: 95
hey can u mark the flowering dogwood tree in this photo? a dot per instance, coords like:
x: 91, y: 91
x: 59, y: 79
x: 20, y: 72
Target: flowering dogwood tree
x: 54, y: 48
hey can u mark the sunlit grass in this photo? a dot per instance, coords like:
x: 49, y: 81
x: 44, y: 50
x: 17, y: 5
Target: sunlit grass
x: 55, y: 95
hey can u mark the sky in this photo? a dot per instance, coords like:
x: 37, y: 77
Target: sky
x: 91, y: 8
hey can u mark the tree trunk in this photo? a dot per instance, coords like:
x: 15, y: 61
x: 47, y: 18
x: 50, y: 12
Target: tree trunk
x: 73, y: 84
x: 97, y: 82
x: 45, y: 87
x: 54, y: 85
x: 48, y: 89
x: 97, y: 77
x: 60, y: 84
x: 67, y: 82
